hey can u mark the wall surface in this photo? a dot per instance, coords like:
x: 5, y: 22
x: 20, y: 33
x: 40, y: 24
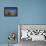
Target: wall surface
x: 29, y: 12
x: 33, y: 12
x: 7, y: 24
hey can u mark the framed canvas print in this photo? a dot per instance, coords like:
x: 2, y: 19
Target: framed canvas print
x: 10, y: 11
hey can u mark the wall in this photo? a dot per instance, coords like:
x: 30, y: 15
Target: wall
x: 33, y: 12
x: 7, y: 24
x: 29, y: 12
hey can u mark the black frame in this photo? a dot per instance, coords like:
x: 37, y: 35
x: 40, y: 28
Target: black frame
x: 11, y: 8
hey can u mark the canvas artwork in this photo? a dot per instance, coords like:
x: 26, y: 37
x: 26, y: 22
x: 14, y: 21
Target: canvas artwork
x: 10, y: 11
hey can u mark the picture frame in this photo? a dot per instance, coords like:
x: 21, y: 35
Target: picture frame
x: 10, y: 11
